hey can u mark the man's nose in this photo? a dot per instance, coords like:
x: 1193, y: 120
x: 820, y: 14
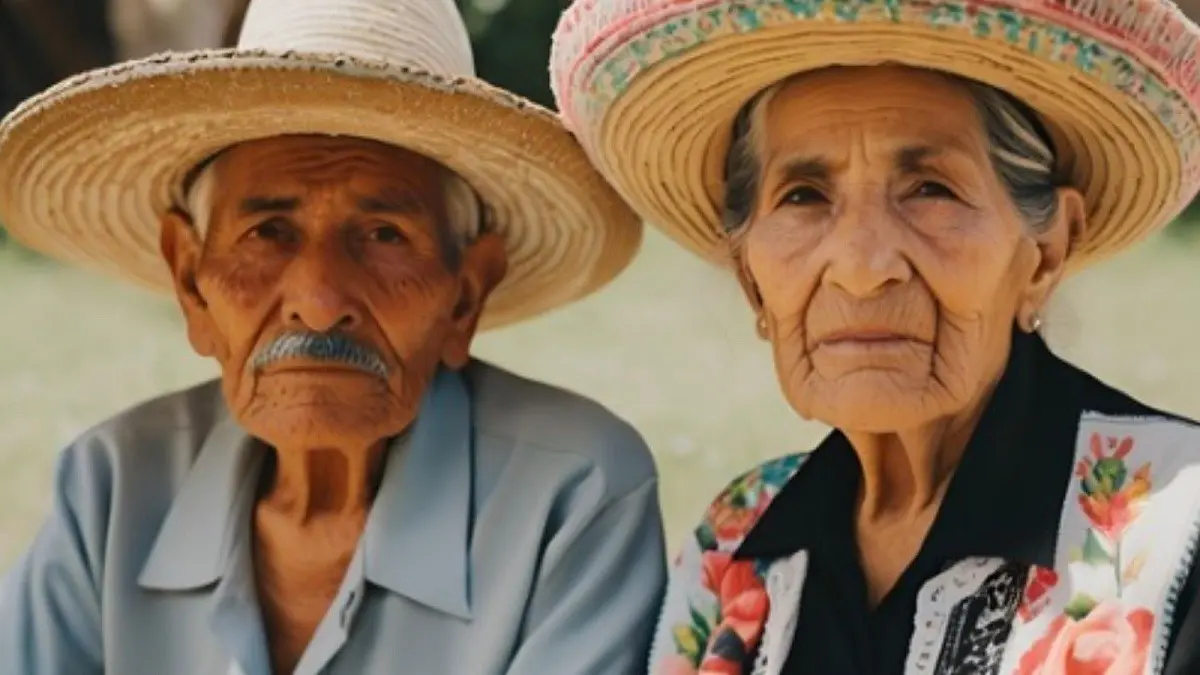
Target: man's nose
x: 316, y: 298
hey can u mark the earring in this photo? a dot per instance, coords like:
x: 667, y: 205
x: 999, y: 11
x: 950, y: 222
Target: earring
x: 760, y: 326
x: 1035, y: 323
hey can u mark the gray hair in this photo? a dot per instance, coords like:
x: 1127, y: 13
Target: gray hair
x: 463, y: 210
x: 1021, y: 152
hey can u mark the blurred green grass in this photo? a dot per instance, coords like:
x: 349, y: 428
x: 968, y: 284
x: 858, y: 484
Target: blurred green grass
x: 669, y: 346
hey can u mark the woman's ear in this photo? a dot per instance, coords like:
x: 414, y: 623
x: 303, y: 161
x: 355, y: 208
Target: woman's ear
x: 749, y: 287
x: 1053, y: 244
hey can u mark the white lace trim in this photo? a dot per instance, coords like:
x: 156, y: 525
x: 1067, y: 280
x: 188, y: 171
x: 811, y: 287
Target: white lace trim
x: 936, y: 601
x: 785, y: 585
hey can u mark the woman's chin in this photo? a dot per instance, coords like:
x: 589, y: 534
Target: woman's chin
x: 870, y: 401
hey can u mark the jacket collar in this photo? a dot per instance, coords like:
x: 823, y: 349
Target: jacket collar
x: 417, y: 534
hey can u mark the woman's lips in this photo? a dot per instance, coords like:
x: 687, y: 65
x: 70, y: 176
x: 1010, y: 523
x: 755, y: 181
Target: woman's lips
x: 861, y: 340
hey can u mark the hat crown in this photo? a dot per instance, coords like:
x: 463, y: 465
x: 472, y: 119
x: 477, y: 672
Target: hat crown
x: 424, y: 35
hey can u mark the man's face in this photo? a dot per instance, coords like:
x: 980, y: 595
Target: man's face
x: 324, y: 288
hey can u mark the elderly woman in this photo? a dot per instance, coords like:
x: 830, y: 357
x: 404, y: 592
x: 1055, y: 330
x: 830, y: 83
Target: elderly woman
x: 900, y: 187
x: 336, y: 216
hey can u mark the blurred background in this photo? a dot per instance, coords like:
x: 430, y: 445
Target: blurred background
x: 669, y: 346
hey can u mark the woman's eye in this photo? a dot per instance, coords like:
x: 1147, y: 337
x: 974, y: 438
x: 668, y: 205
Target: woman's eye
x: 933, y: 190
x: 803, y: 196
x: 387, y: 234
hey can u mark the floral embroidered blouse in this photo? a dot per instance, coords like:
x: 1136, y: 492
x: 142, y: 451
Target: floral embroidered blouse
x: 1065, y: 545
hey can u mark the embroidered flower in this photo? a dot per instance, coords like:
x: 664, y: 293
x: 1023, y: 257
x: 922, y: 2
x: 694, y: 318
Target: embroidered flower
x: 735, y: 511
x: 1037, y: 592
x: 727, y: 601
x: 1109, y: 639
x: 722, y: 632
x: 1109, y: 498
x: 744, y: 605
x: 1100, y: 635
x: 730, y: 519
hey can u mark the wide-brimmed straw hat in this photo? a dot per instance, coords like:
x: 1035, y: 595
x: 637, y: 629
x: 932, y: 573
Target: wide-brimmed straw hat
x: 651, y: 88
x: 88, y: 167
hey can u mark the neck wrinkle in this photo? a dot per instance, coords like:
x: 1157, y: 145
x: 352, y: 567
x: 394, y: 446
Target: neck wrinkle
x: 323, y: 482
x: 906, y: 473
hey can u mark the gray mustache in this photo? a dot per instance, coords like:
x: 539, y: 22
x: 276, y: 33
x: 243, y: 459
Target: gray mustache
x: 328, y: 347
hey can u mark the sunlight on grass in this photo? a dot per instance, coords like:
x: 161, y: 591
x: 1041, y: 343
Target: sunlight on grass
x: 669, y: 346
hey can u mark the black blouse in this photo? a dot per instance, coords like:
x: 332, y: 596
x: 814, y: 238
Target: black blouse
x: 1004, y: 501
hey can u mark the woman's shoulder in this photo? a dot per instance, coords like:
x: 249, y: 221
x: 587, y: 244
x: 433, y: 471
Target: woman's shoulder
x: 738, y: 507
x: 1101, y: 398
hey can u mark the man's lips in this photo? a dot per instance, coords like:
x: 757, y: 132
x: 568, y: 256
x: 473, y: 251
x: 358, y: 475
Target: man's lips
x: 305, y: 366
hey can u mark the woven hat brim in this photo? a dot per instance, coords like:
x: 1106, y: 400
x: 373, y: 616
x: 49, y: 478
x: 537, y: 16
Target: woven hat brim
x: 661, y: 132
x: 88, y: 167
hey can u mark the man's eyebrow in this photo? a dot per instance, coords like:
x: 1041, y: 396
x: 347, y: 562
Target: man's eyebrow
x: 392, y: 201
x: 402, y: 207
x: 255, y: 205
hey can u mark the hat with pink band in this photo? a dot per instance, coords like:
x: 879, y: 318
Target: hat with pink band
x: 651, y: 89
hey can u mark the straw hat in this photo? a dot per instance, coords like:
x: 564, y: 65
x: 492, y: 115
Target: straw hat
x: 651, y: 88
x: 88, y: 167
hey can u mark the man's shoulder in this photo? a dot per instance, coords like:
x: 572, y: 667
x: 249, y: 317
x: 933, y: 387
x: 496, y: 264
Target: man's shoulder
x: 166, y: 429
x: 551, y: 419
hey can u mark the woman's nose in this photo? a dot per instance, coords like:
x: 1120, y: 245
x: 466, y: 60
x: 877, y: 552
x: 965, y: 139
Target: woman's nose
x: 865, y: 252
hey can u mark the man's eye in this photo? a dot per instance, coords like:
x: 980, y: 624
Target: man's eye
x: 275, y: 229
x: 803, y: 196
x: 933, y: 190
x: 388, y: 234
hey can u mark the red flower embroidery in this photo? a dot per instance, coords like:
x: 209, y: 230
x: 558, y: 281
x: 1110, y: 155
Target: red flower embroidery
x: 1041, y: 581
x: 730, y: 521
x: 1108, y: 497
x: 1109, y: 639
x: 744, y: 606
x: 724, y: 620
x: 1111, y: 498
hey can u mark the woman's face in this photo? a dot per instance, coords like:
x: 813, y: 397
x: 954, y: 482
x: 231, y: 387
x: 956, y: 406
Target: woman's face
x: 888, y: 258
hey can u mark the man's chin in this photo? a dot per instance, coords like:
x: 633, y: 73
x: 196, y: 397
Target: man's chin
x: 326, y: 426
x: 321, y: 411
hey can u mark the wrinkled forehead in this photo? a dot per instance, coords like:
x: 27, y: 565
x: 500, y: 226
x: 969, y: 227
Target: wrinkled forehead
x: 884, y: 110
x: 855, y: 88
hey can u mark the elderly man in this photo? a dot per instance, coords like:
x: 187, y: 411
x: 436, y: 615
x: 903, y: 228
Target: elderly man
x: 338, y: 209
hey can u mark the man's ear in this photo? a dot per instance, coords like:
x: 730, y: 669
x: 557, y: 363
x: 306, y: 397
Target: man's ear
x: 181, y: 248
x: 1054, y: 247
x: 484, y: 264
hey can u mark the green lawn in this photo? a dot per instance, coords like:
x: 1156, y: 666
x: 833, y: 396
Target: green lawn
x: 669, y: 346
